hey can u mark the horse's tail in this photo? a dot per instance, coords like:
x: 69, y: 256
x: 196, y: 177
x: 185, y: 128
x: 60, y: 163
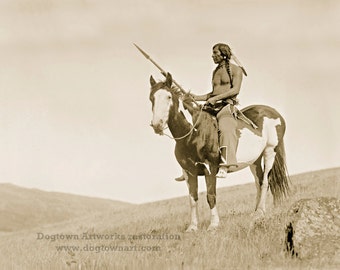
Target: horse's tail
x: 279, y: 181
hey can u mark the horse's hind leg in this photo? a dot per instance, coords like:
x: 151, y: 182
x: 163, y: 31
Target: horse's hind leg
x: 256, y: 170
x: 193, y: 196
x: 269, y: 158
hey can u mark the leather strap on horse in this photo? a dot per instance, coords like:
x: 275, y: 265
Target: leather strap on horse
x: 191, y: 130
x: 241, y: 116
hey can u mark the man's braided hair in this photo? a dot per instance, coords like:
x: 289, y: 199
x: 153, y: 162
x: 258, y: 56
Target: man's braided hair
x: 226, y: 53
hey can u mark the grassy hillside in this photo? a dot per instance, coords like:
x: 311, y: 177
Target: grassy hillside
x: 151, y: 236
x: 22, y: 208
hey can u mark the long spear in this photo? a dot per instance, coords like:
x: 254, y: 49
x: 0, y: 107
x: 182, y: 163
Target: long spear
x: 163, y: 72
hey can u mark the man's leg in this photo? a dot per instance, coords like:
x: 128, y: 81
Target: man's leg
x: 228, y: 141
x: 183, y: 177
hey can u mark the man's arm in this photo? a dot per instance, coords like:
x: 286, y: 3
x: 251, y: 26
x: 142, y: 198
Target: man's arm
x: 201, y: 97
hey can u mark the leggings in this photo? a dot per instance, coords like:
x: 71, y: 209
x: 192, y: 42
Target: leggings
x: 227, y: 125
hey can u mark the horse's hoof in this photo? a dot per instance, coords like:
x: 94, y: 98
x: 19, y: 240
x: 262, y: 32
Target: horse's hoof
x: 212, y: 227
x: 192, y: 228
x: 258, y: 215
x: 258, y: 219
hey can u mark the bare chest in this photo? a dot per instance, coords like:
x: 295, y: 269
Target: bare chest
x: 220, y: 79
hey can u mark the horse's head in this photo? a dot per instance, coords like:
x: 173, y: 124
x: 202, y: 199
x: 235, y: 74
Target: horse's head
x: 162, y: 99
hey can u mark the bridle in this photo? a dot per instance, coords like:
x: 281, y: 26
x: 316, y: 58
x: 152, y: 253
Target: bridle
x: 188, y: 133
x: 193, y: 126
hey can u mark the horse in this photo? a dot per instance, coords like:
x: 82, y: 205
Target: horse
x: 260, y: 147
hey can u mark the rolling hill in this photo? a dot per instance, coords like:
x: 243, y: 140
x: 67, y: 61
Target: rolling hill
x: 23, y: 208
x: 152, y: 235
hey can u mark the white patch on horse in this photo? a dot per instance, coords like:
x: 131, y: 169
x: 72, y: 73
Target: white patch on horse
x: 161, y: 107
x: 214, y: 219
x: 194, y: 215
x: 269, y: 130
x: 185, y: 112
x: 251, y: 145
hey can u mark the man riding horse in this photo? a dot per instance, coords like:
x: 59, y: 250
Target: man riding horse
x: 226, y: 84
x: 257, y: 138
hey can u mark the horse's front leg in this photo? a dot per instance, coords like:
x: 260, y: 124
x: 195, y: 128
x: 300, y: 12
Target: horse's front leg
x: 211, y: 198
x: 193, y: 196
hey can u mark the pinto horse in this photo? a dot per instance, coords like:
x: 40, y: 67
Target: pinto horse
x: 197, y: 150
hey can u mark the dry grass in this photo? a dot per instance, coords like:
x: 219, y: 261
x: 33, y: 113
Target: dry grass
x: 233, y: 246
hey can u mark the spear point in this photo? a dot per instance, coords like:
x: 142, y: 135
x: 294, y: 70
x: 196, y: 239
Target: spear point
x: 144, y: 53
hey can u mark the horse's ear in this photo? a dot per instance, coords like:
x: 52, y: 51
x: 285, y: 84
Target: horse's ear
x: 152, y: 81
x: 168, y: 81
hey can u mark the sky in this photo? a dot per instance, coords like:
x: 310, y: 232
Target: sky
x: 74, y: 108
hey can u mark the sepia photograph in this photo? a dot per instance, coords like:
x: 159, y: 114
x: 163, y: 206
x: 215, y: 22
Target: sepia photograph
x: 187, y: 134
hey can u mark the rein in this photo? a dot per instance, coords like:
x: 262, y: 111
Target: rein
x: 153, y: 90
x: 188, y: 133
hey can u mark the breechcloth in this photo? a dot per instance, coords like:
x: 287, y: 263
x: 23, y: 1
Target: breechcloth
x: 227, y: 125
